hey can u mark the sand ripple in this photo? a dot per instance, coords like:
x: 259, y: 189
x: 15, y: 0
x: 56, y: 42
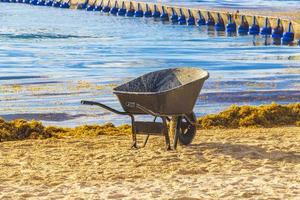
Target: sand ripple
x: 221, y: 164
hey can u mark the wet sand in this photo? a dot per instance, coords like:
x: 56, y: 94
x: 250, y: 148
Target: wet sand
x: 220, y: 164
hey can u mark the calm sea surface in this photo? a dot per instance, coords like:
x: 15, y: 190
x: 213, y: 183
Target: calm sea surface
x: 52, y: 58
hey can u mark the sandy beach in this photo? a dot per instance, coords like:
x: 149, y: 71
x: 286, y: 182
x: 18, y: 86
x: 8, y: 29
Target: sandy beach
x: 220, y: 164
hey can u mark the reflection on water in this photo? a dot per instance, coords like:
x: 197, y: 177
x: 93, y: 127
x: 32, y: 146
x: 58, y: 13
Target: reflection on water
x: 47, y: 66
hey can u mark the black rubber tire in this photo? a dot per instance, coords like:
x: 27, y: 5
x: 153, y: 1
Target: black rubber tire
x: 187, y: 130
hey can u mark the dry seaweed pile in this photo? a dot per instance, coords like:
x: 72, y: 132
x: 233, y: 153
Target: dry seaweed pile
x: 21, y: 129
x: 236, y: 116
x: 253, y: 116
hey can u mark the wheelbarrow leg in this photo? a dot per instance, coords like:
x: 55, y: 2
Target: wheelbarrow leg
x: 177, y: 121
x: 166, y: 133
x: 145, y: 141
x: 134, y: 142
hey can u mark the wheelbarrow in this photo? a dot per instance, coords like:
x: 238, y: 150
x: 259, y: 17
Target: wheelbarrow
x: 169, y: 94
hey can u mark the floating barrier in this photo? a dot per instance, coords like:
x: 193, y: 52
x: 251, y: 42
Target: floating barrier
x: 284, y: 30
x: 201, y: 21
x: 106, y: 8
x: 244, y: 27
x: 231, y: 26
x: 254, y: 29
x: 148, y: 12
x: 56, y: 4
x: 122, y: 10
x: 114, y: 10
x: 33, y: 2
x: 191, y: 19
x: 41, y: 3
x: 181, y: 18
x: 91, y: 6
x: 210, y: 20
x: 65, y: 5
x: 278, y: 30
x: 164, y: 15
x: 220, y: 25
x: 156, y: 13
x: 130, y: 11
x: 174, y: 17
x: 288, y: 36
x: 266, y: 30
x: 139, y: 12
x: 98, y: 7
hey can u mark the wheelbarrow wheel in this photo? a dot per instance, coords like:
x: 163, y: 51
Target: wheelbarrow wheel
x: 187, y: 130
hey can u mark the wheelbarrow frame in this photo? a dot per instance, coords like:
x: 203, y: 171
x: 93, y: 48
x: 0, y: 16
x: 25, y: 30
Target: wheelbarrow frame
x: 135, y: 124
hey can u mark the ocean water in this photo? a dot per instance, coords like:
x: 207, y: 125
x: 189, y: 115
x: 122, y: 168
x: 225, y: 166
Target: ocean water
x: 238, y: 4
x: 51, y: 58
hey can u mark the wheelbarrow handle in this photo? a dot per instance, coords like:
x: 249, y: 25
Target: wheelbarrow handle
x: 93, y: 103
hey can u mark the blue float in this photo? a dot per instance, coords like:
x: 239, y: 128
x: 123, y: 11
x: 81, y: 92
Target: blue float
x: 114, y: 10
x: 83, y: 6
x: 174, y: 17
x: 267, y: 29
x: 56, y: 4
x: 254, y: 29
x: 41, y: 3
x: 106, y: 8
x: 288, y: 37
x: 91, y: 7
x: 130, y: 11
x: 65, y: 5
x: 148, y: 12
x: 139, y: 12
x: 278, y: 30
x: 33, y: 2
x: 26, y: 1
x: 220, y: 26
x: 201, y: 21
x: 181, y: 18
x: 244, y: 27
x: 122, y: 10
x: 231, y: 26
x: 164, y: 16
x: 49, y: 3
x: 191, y: 19
x: 156, y: 13
x: 210, y: 20
x: 99, y: 6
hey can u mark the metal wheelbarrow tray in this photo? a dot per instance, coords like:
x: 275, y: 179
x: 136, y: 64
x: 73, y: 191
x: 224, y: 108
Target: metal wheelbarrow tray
x: 170, y: 94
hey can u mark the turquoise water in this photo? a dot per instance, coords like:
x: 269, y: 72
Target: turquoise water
x: 52, y: 58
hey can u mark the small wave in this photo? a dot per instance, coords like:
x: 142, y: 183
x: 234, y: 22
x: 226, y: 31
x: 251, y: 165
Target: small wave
x: 18, y: 77
x: 28, y: 36
x: 42, y: 116
x: 59, y: 94
x: 251, y: 96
